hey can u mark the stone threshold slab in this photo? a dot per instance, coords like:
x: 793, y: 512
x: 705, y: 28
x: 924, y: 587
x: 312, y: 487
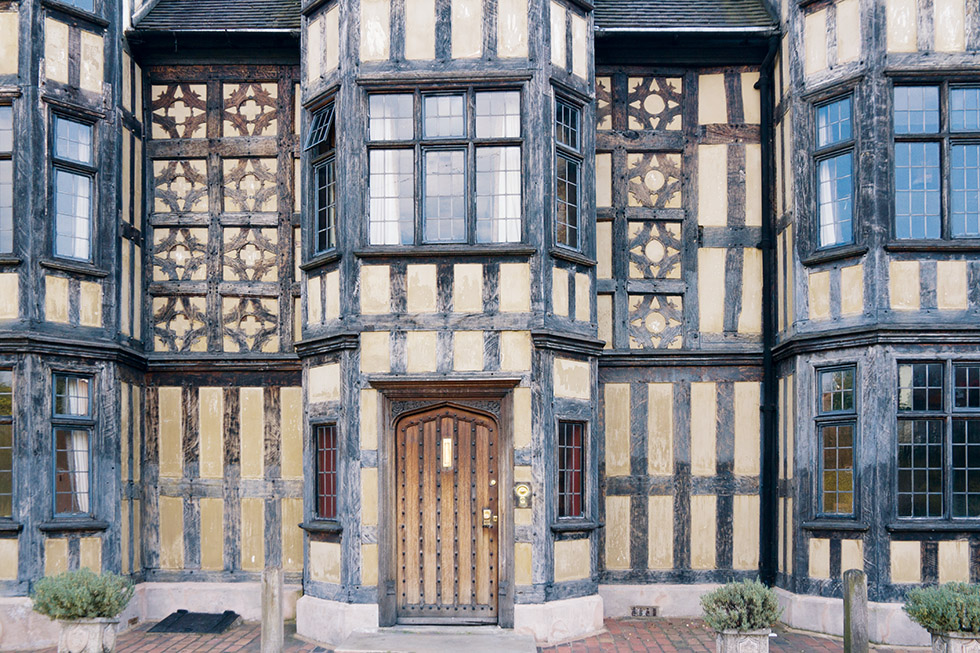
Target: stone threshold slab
x: 438, y: 639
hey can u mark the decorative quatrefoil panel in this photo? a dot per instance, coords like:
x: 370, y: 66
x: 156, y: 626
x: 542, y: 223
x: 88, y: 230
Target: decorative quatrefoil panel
x: 179, y: 111
x: 180, y: 254
x: 250, y: 324
x: 656, y: 321
x: 654, y: 250
x: 654, y: 179
x: 250, y: 254
x: 180, y: 186
x: 250, y: 185
x: 603, y: 107
x: 179, y: 324
x: 655, y: 103
x: 250, y: 109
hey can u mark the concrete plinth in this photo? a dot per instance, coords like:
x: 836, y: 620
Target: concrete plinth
x: 670, y: 600
x: 23, y: 629
x: 331, y: 622
x: 558, y: 621
x: 154, y: 601
x: 438, y: 639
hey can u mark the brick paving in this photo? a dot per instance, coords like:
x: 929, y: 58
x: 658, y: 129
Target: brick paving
x: 621, y: 635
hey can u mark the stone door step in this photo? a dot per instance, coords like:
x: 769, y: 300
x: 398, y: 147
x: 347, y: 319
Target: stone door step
x: 438, y: 639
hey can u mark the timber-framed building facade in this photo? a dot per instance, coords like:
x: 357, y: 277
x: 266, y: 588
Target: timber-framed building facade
x: 519, y: 312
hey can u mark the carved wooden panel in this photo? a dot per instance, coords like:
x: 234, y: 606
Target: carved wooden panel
x: 179, y: 111
x: 656, y: 321
x: 180, y: 254
x: 179, y: 324
x: 250, y: 185
x: 180, y: 186
x: 250, y: 109
x: 655, y: 103
x: 250, y: 254
x: 654, y: 179
x: 250, y: 324
x: 654, y: 250
x: 603, y: 108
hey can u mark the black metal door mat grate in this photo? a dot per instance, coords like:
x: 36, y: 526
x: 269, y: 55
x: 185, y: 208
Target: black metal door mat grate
x: 206, y: 623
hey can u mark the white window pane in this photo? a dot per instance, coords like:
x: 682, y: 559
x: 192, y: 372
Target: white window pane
x: 498, y: 114
x: 444, y: 116
x: 498, y: 194
x: 391, y: 182
x: 391, y: 117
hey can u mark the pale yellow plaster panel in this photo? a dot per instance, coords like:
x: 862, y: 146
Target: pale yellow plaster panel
x: 851, y: 555
x: 211, y: 413
x: 468, y: 351
x: 9, y: 558
x: 603, y: 180
x: 751, y: 103
x: 325, y: 561
x: 137, y: 536
x: 617, y: 403
x: 603, y: 234
x: 171, y: 532
x: 747, y: 428
x: 583, y: 297
x: 138, y: 187
x: 712, y: 100
x: 375, y: 29
x: 903, y: 285
x: 819, y: 291
x: 253, y: 534
x: 9, y: 50
x: 512, y: 29
x: 617, y: 554
x: 523, y: 473
x: 790, y: 425
x: 753, y: 185
x: 212, y: 533
x: 848, y: 31
x: 90, y: 554
x: 125, y: 187
x: 819, y: 558
x: 660, y: 532
x: 580, y: 46
x: 789, y: 536
x: 369, y: 565
x: 951, y: 285
x: 291, y: 427
x: 713, y: 185
x: 420, y: 347
x: 523, y: 554
x: 292, y: 534
x: 703, y: 428
x: 906, y: 562
x: 92, y: 68
x: 902, y: 19
x: 56, y: 50
x: 422, y: 288
x: 523, y: 517
x: 745, y: 531
x: 573, y: 560
x: 950, y: 23
x: 815, y: 42
x: 56, y: 299
x: 604, y: 314
x: 137, y: 432
x: 780, y: 283
x: 170, y: 429
x: 124, y: 422
x: 515, y: 287
x: 660, y: 429
x: 314, y: 50
x: 124, y: 539
x: 559, y: 57
x: 331, y: 37
x: 375, y: 289
x: 559, y: 292
x: 90, y: 304
x: 420, y: 32
x: 468, y: 288
x: 369, y: 419
x: 515, y: 351
x: 852, y: 290
x: 954, y: 561
x: 750, y: 319
x: 324, y: 383
x: 522, y: 418
x: 790, y: 278
x: 331, y: 307
x: 704, y: 526
x: 572, y: 379
x: 375, y: 352
x: 252, y: 432
x: 55, y: 556
x: 467, y: 29
x: 711, y: 289
x: 314, y: 301
x: 297, y: 319
x: 10, y: 291
x: 369, y: 496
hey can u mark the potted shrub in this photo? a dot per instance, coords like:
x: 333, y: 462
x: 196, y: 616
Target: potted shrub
x: 87, y: 605
x: 951, y: 614
x: 742, y: 614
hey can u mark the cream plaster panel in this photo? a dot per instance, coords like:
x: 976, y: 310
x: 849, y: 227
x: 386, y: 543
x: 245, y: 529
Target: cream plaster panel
x: 92, y: 67
x: 170, y: 428
x: 55, y: 556
x: 375, y: 30
x: 617, y: 404
x: 559, y: 292
x: 252, y: 541
x: 9, y: 558
x: 751, y: 102
x: 790, y: 425
x: 314, y: 49
x: 583, y: 297
x: 906, y: 562
x: 369, y: 419
x: 903, y: 285
x: 753, y: 185
x: 815, y: 41
x: 750, y: 319
x: 573, y: 560
x: 711, y: 289
x: 660, y: 532
x: 951, y: 288
x: 819, y: 558
x: 852, y: 290
x: 325, y: 561
x: 90, y: 554
x: 950, y: 25
x: 291, y: 425
x: 422, y: 288
x: 56, y: 299
x: 124, y: 537
x: 375, y: 289
x: 420, y: 32
x: 369, y: 496
x: 375, y: 352
x: 713, y: 185
x: 789, y: 536
x: 558, y: 39
x: 747, y: 428
x: 617, y: 554
x: 10, y: 291
x: 292, y: 534
x: 522, y: 418
x: 848, y: 31
x: 125, y: 187
x: 420, y: 347
x: 712, y: 100
x: 211, y: 413
x: 124, y: 437
x: 851, y: 555
x: 9, y: 39
x: 212, y: 533
x: 703, y: 428
x: 572, y: 379
x: 324, y: 383
x: 819, y: 289
x: 603, y: 180
x: 369, y: 565
x: 252, y: 432
x: 523, y: 556
x: 331, y: 307
x: 56, y: 50
x: 954, y: 561
x: 745, y: 532
x: 90, y: 304
x: 704, y: 526
x: 660, y: 429
x: 468, y: 288
x: 603, y: 234
x: 171, y: 530
x: 468, y: 351
x: 902, y: 19
x: 604, y: 311
x: 331, y: 36
x: 515, y: 288
x: 314, y: 301
x: 580, y: 46
x: 467, y: 29
x: 512, y: 29
x: 515, y: 351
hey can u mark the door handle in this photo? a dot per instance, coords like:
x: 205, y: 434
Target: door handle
x: 489, y: 519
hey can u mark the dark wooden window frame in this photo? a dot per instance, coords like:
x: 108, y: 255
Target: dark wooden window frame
x: 8, y: 155
x: 85, y: 423
x: 315, y: 428
x: 831, y: 151
x: 834, y: 418
x: 574, y: 155
x: 7, y: 420
x: 583, y: 471
x: 90, y: 170
x: 323, y: 157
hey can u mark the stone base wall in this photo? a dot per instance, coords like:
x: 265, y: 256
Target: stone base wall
x: 330, y: 622
x: 559, y: 621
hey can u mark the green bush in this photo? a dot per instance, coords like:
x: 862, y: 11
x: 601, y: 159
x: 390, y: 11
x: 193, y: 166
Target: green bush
x: 81, y: 595
x: 748, y: 605
x: 949, y: 608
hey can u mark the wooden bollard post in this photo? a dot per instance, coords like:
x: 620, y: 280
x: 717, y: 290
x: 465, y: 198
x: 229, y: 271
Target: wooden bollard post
x: 272, y: 627
x: 855, y: 611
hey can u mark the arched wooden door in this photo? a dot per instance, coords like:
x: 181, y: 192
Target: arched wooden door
x: 446, y: 516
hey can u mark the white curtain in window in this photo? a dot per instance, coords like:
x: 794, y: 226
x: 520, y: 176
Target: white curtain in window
x: 78, y: 466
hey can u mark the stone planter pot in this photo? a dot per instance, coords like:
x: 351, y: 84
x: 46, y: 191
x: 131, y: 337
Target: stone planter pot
x: 733, y: 641
x: 956, y: 643
x: 88, y: 636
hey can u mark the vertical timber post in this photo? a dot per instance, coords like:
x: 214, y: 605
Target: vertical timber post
x: 272, y: 627
x: 855, y: 611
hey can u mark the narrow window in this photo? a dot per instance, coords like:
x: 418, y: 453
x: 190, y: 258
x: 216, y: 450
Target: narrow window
x: 964, y: 114
x: 836, y: 427
x: 322, y: 147
x: 6, y: 179
x: 74, y: 182
x: 72, y: 444
x: 571, y: 469
x: 568, y: 173
x: 326, y: 471
x: 966, y: 440
x: 835, y: 173
x: 6, y: 443
x: 921, y: 427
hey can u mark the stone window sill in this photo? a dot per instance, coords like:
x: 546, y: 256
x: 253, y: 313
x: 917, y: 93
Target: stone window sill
x: 70, y: 524
x: 322, y: 527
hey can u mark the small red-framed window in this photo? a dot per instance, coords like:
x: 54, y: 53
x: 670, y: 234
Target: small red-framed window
x: 325, y: 442
x: 571, y: 469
